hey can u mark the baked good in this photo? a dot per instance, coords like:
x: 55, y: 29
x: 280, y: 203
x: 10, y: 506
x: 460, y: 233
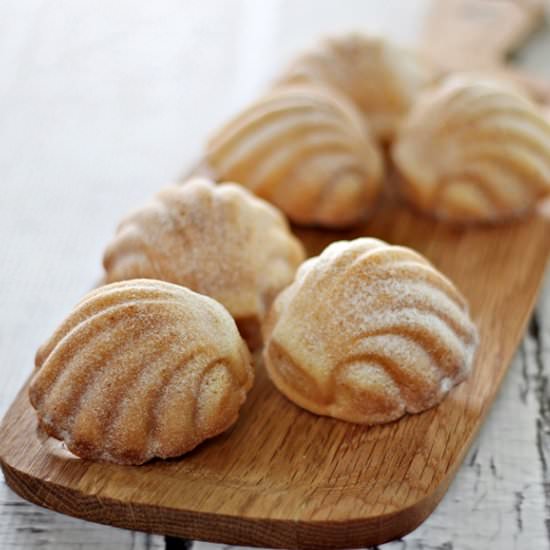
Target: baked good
x: 218, y: 240
x: 380, y: 78
x: 474, y: 151
x: 368, y: 332
x: 141, y: 369
x: 305, y: 150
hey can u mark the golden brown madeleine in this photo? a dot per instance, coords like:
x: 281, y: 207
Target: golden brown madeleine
x: 380, y: 78
x: 141, y: 369
x: 474, y: 151
x: 219, y: 240
x: 307, y: 151
x: 368, y: 332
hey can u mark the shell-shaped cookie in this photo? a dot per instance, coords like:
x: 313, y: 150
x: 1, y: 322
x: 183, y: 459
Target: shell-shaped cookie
x: 219, y: 240
x: 304, y: 149
x: 141, y: 369
x: 368, y: 332
x: 380, y: 78
x: 474, y: 151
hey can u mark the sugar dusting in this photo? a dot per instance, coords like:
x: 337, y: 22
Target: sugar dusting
x: 220, y: 241
x: 380, y: 78
x: 301, y: 147
x: 474, y: 150
x: 133, y: 391
x: 356, y: 305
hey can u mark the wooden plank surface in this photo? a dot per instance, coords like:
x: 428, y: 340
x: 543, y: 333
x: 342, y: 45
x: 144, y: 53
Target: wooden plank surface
x: 284, y: 478
x: 476, y: 34
x: 102, y: 103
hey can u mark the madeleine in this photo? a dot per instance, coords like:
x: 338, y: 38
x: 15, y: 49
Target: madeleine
x: 307, y: 151
x: 474, y: 151
x: 367, y: 333
x: 380, y: 78
x: 219, y: 240
x: 138, y: 370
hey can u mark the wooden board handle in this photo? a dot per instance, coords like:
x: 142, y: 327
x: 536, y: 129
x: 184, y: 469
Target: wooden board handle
x: 473, y: 34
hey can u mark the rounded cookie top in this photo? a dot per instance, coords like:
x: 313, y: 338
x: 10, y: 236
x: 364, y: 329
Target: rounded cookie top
x: 219, y: 240
x: 141, y: 369
x: 474, y: 151
x: 306, y: 150
x: 380, y: 78
x: 368, y: 332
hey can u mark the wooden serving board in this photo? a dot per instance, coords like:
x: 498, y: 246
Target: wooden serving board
x: 283, y: 477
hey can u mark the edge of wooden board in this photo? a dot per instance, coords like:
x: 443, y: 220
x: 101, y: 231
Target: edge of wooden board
x: 18, y: 436
x: 213, y: 527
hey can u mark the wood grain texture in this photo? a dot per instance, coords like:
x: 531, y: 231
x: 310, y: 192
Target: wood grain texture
x: 285, y: 478
x: 100, y: 106
x: 480, y: 35
x: 473, y: 34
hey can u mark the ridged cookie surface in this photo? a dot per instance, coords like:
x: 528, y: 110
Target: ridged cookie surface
x: 368, y: 332
x: 380, y: 78
x: 474, y: 151
x: 219, y: 240
x: 141, y: 369
x: 307, y: 151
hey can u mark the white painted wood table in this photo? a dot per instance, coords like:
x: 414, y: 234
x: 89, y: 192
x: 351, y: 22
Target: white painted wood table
x: 103, y: 102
